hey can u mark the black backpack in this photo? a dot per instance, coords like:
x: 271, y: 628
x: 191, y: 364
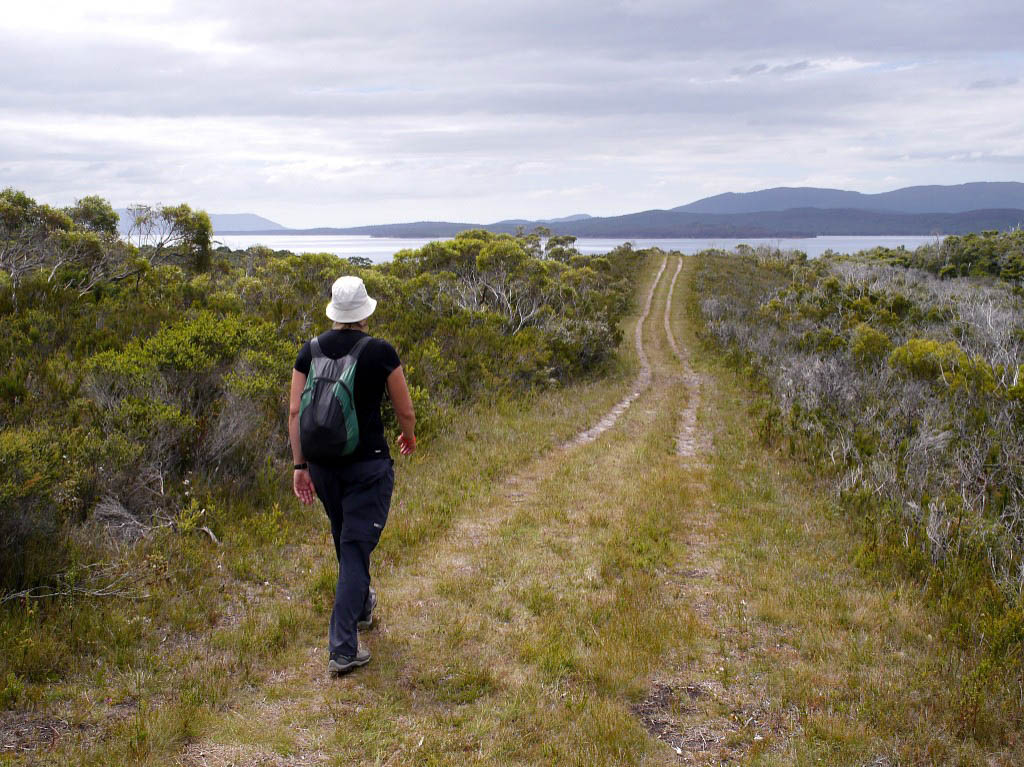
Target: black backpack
x: 328, y: 426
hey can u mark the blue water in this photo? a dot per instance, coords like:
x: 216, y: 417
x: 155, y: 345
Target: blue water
x: 380, y: 249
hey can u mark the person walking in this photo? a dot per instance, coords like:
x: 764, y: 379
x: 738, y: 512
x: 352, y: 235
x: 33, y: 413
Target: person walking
x: 355, y: 489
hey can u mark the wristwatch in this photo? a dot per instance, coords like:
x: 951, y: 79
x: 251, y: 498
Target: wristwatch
x: 301, y: 466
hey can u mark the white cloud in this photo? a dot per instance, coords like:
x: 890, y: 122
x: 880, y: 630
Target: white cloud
x: 114, y: 22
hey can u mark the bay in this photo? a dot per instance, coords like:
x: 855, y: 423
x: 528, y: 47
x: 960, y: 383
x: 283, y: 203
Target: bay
x: 381, y: 249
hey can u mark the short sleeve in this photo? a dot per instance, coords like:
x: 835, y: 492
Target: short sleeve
x: 388, y: 358
x: 304, y: 360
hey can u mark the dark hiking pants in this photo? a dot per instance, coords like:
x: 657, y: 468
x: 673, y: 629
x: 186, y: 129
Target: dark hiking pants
x: 356, y: 498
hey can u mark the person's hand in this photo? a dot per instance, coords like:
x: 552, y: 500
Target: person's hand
x: 406, y: 444
x: 302, y: 484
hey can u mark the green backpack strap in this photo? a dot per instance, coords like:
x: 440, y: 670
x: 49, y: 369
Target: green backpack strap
x: 347, y: 384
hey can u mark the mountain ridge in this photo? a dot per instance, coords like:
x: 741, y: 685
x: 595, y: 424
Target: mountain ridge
x: 775, y: 212
x: 957, y: 198
x: 796, y: 222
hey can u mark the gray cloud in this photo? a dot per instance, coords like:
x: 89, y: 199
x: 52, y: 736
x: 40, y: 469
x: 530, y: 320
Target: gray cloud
x: 343, y: 113
x: 647, y: 29
x: 993, y: 82
x: 776, y: 69
x: 755, y: 69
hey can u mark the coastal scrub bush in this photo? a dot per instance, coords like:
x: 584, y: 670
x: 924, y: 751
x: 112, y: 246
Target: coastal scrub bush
x: 31, y: 486
x: 897, y: 375
x: 135, y: 370
x: 869, y: 346
x: 989, y: 253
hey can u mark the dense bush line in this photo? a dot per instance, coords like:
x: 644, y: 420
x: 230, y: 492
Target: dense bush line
x: 992, y: 253
x: 905, y: 386
x: 136, y: 371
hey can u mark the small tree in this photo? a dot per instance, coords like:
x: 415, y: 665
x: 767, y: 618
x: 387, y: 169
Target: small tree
x: 561, y: 247
x: 171, y: 234
x: 94, y: 214
x: 26, y: 231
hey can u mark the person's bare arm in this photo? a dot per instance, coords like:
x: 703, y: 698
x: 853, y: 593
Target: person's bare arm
x: 398, y: 390
x: 302, y: 483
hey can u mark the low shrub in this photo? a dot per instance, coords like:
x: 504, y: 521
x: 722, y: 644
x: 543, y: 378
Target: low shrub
x: 902, y: 385
x: 132, y: 368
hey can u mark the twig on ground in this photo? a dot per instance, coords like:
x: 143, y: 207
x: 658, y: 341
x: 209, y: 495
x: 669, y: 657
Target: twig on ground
x: 112, y: 589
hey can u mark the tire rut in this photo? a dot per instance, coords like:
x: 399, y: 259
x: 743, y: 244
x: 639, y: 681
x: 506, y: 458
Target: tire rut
x: 688, y: 441
x: 416, y: 586
x: 643, y: 379
x: 415, y: 594
x: 469, y: 534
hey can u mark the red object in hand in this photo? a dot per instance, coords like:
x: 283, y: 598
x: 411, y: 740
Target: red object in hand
x: 406, y: 444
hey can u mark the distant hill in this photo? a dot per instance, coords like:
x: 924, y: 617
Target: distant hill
x: 779, y: 212
x: 242, y: 222
x: 222, y: 222
x: 911, y: 199
x: 575, y: 217
x: 797, y: 222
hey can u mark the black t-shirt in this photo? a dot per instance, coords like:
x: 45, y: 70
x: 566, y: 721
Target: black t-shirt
x: 376, y: 362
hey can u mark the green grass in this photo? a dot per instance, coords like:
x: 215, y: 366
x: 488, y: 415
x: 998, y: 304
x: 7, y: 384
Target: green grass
x: 857, y: 658
x: 255, y: 605
x: 535, y: 603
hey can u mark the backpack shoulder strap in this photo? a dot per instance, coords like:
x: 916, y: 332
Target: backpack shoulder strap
x: 314, y: 347
x: 358, y: 348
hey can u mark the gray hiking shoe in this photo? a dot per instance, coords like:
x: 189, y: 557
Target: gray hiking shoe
x: 366, y: 619
x: 342, y: 664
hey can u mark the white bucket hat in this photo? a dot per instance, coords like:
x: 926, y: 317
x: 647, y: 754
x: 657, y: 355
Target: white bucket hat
x: 349, y: 301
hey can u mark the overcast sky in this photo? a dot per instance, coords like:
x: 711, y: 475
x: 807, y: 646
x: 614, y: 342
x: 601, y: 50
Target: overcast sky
x: 344, y: 113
